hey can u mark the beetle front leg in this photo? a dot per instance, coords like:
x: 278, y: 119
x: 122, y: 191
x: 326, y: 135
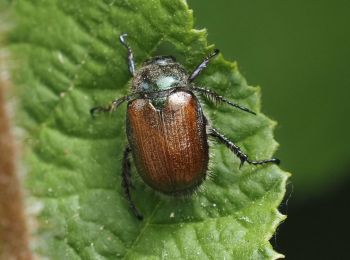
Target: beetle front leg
x: 131, y: 62
x: 113, y: 106
x: 126, y: 182
x: 218, y: 98
x: 202, y: 65
x: 237, y: 151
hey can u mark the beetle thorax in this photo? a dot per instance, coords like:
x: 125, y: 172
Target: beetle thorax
x: 159, y: 73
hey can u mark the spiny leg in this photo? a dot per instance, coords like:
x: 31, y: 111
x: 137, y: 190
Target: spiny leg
x: 131, y: 62
x: 237, y: 151
x: 216, y: 97
x: 203, y: 65
x: 113, y: 106
x: 117, y: 102
x: 126, y: 182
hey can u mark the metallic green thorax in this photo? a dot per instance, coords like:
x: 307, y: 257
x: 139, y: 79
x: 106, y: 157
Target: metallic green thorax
x: 159, y: 73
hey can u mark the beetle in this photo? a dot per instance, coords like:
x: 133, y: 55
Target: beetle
x: 166, y: 128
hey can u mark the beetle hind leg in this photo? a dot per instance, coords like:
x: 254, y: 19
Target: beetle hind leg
x: 127, y: 184
x: 237, y: 151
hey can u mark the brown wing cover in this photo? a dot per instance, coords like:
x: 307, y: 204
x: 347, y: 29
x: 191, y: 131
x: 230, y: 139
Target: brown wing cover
x: 169, y: 146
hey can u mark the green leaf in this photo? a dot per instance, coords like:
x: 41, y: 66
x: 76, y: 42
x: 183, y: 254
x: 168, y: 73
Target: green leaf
x: 68, y: 59
x: 271, y: 56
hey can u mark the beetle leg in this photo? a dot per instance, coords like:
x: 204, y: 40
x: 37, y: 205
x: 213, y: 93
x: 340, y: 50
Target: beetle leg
x: 113, y: 106
x: 126, y: 182
x: 131, y: 62
x: 237, y: 151
x: 216, y: 97
x: 203, y: 65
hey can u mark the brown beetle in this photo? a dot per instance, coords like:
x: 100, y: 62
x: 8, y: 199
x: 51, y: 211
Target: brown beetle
x: 166, y: 128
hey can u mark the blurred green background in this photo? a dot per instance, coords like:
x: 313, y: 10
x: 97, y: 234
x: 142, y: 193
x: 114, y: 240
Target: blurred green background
x: 299, y: 53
